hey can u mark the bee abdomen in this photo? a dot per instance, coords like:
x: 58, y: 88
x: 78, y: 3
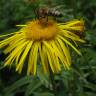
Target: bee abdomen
x: 54, y: 13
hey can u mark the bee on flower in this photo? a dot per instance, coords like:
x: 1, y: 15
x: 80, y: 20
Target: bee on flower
x: 42, y: 40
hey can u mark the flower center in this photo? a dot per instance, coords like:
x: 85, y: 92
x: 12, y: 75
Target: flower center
x: 38, y: 30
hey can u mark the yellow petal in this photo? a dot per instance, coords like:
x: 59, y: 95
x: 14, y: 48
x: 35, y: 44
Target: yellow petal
x: 69, y: 44
x: 42, y: 58
x: 24, y: 55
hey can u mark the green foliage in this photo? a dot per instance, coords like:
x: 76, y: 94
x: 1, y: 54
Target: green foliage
x: 80, y: 80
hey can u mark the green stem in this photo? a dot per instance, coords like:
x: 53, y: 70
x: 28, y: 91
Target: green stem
x: 52, y: 81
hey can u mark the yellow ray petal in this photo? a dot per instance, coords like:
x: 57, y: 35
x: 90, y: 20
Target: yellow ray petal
x: 30, y: 61
x: 44, y: 51
x: 50, y: 61
x: 16, y: 43
x: 21, y: 25
x: 13, y: 54
x: 42, y: 58
x: 24, y: 55
x: 8, y: 40
x: 69, y: 44
x: 57, y: 52
x: 35, y: 56
x: 74, y: 22
x: 8, y: 34
x: 71, y: 35
x: 61, y: 56
x: 65, y: 51
x: 56, y: 58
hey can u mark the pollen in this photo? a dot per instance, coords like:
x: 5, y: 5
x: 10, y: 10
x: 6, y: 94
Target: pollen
x: 37, y: 30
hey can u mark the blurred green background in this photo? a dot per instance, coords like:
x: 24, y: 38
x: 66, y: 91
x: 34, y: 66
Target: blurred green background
x: 80, y: 80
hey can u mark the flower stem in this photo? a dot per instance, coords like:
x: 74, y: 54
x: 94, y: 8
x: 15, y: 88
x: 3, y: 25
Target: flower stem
x: 52, y: 81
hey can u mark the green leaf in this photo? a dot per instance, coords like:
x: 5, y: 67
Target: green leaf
x: 44, y: 79
x: 18, y: 84
x: 44, y: 94
x: 35, y: 84
x: 90, y: 94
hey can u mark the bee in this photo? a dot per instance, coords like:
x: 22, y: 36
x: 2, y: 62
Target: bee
x: 46, y: 12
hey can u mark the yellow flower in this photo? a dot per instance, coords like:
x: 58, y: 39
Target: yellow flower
x: 42, y: 44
